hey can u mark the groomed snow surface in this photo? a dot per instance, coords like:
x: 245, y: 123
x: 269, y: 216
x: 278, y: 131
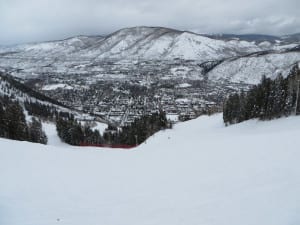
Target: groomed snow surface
x: 198, y: 173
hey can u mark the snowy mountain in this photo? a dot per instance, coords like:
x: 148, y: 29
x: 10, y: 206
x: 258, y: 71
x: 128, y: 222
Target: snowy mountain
x: 291, y: 37
x: 245, y: 58
x: 139, y: 42
x: 150, y: 43
x: 163, y: 43
x: 201, y: 172
x: 250, y: 69
x: 257, y: 38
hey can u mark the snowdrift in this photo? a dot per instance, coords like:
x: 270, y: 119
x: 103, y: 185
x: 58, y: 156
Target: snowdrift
x: 198, y: 173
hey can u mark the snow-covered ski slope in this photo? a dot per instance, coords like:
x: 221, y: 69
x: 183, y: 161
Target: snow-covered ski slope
x: 198, y: 173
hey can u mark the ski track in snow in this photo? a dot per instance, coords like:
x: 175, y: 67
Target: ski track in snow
x: 51, y: 133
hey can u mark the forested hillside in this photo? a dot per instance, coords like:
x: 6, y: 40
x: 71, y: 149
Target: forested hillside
x: 267, y: 100
x: 22, y: 109
x: 13, y: 124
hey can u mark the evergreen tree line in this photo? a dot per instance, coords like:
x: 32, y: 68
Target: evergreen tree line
x: 13, y: 123
x: 138, y: 131
x: 268, y: 100
x: 44, y: 111
x: 72, y: 132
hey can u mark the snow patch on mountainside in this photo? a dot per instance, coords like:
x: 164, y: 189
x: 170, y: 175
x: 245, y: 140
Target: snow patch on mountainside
x: 191, y: 46
x: 251, y: 69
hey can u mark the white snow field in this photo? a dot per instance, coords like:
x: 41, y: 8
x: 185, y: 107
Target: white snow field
x: 198, y: 173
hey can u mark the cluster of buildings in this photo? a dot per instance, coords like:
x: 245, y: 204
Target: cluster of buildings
x: 121, y: 92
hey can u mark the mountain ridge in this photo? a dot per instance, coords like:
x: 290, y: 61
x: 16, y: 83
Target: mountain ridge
x: 153, y: 43
x: 142, y: 42
x: 87, y: 54
x: 211, y: 35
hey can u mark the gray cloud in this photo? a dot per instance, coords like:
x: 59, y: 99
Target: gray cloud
x: 36, y: 20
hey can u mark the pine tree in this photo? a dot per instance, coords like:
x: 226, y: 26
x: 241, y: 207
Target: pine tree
x: 2, y: 121
x: 36, y: 134
x: 17, y: 127
x: 267, y: 100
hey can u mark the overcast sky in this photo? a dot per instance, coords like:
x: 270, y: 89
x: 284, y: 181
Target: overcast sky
x: 37, y: 20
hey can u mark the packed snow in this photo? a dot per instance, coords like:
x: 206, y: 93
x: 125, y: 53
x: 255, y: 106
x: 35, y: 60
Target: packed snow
x: 100, y: 127
x: 51, y: 133
x: 200, y: 172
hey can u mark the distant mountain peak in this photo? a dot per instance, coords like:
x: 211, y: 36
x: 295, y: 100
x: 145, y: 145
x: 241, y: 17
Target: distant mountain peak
x: 146, y: 43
